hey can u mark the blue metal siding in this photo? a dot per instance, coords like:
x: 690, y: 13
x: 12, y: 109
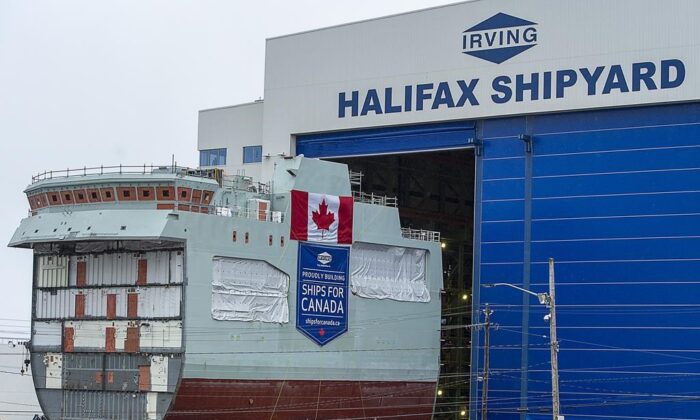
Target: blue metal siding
x: 616, y: 202
x: 614, y: 197
x: 502, y: 253
x: 386, y: 140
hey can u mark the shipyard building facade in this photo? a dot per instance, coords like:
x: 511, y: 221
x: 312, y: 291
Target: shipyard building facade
x: 522, y: 131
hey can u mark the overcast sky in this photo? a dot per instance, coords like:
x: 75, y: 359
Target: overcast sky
x: 105, y: 82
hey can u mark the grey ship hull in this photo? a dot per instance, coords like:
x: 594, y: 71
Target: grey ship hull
x: 386, y: 365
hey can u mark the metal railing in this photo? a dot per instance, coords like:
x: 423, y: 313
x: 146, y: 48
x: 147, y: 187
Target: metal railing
x: 225, y: 211
x: 245, y: 183
x: 355, y: 179
x: 119, y: 169
x: 250, y: 213
x: 420, y: 234
x: 380, y: 200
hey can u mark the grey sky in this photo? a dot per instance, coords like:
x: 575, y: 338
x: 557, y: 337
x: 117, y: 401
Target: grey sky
x: 97, y: 82
x: 105, y: 82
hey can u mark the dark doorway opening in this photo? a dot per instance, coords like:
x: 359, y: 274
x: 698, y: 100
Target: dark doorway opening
x: 435, y: 191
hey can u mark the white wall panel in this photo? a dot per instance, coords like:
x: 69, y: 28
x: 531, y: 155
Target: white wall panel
x: 106, y: 269
x: 241, y: 122
x: 153, y: 302
x: 152, y: 405
x: 55, y: 304
x: 159, y: 302
x: 54, y: 370
x: 159, y: 373
x: 47, y: 333
x: 112, y: 269
x: 52, y: 271
x: 161, y: 335
x: 91, y: 334
x: 177, y: 266
x: 153, y: 334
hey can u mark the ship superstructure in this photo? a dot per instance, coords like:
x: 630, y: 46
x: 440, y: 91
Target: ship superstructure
x: 170, y: 292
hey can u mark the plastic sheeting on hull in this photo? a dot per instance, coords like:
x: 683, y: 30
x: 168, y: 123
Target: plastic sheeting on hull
x: 279, y: 399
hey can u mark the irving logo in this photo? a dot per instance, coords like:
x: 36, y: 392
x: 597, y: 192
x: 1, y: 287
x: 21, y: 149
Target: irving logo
x: 499, y: 38
x: 324, y: 258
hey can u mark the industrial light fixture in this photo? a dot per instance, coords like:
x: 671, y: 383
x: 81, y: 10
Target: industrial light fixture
x: 463, y: 413
x: 443, y: 245
x: 439, y: 392
x: 465, y: 296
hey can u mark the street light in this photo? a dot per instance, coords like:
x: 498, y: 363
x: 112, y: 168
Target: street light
x: 546, y: 299
x: 543, y: 298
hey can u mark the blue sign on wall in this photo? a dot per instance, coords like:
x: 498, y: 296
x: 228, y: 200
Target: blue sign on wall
x: 322, y: 291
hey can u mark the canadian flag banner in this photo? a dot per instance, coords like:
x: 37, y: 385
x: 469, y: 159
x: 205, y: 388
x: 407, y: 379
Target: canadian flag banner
x: 321, y: 218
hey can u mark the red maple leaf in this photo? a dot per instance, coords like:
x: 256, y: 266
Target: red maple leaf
x: 323, y: 218
x: 322, y: 332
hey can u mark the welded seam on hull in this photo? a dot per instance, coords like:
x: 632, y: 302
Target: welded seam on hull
x: 279, y: 394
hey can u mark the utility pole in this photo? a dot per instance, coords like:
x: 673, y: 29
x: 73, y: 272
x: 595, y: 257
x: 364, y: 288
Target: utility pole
x: 554, y: 345
x: 485, y: 387
x: 547, y: 299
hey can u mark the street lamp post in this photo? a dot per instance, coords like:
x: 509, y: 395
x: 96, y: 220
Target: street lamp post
x: 553, y: 344
x: 547, y: 299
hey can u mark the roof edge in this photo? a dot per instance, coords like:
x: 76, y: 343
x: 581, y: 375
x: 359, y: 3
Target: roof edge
x: 255, y: 102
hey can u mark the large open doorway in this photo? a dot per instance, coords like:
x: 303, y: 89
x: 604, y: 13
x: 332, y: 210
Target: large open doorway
x: 435, y: 191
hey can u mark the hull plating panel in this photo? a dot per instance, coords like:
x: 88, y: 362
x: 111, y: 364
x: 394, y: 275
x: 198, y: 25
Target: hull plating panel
x: 279, y: 399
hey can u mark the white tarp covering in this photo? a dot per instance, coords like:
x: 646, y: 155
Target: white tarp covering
x: 388, y: 272
x: 249, y: 290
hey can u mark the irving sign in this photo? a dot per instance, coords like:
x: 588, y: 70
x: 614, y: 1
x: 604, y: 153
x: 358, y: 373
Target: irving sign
x: 321, y: 218
x: 499, y: 38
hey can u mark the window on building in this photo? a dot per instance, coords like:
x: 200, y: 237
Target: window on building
x: 212, y: 157
x: 252, y: 154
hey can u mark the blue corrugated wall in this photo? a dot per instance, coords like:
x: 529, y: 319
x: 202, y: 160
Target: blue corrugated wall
x: 614, y: 197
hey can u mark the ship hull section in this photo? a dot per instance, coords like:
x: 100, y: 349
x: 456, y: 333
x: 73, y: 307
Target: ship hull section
x: 302, y: 399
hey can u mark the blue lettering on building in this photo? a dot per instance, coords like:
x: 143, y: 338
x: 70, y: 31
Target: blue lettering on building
x: 528, y: 87
x: 322, y: 291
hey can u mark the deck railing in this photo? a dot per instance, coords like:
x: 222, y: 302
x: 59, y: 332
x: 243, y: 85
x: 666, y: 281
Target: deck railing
x: 118, y: 169
x: 380, y: 200
x: 245, y: 183
x: 420, y: 234
x: 216, y: 210
x: 250, y: 213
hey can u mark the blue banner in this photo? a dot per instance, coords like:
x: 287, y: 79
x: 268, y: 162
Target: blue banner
x: 322, y: 291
